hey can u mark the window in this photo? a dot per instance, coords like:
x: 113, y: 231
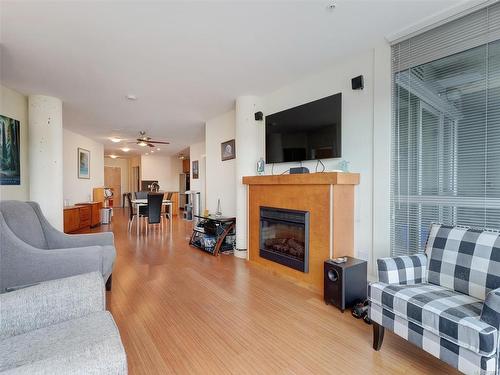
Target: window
x: 446, y: 129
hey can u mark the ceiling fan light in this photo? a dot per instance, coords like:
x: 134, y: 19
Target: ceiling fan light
x: 142, y: 144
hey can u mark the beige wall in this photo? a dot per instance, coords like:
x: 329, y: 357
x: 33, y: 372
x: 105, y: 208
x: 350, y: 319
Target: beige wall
x: 220, y: 175
x: 75, y: 189
x: 164, y: 169
x: 15, y: 105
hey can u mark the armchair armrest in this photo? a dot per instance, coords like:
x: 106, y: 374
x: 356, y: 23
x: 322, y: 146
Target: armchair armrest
x: 491, y: 308
x: 403, y: 269
x: 50, y: 303
x: 59, y: 240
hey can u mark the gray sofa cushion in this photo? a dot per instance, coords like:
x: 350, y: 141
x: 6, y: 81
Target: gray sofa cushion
x: 23, y: 221
x: 89, y: 345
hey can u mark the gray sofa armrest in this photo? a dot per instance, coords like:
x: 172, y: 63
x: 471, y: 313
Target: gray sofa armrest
x: 59, y: 240
x: 50, y: 303
x: 24, y: 264
x: 491, y: 309
x: 403, y: 269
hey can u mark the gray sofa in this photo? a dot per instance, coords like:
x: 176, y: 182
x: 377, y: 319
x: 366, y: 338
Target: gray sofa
x: 32, y: 250
x: 60, y: 327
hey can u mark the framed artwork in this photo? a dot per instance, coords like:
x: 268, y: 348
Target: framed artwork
x: 228, y: 150
x: 196, y: 170
x: 83, y: 163
x: 10, y: 161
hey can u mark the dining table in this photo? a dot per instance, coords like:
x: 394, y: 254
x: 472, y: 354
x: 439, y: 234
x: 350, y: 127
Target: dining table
x: 140, y: 202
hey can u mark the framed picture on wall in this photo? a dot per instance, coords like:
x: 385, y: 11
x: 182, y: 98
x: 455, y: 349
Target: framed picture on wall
x: 196, y: 170
x: 228, y: 150
x: 10, y: 161
x: 83, y: 163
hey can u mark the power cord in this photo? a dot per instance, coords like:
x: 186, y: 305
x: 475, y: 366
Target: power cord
x: 322, y: 165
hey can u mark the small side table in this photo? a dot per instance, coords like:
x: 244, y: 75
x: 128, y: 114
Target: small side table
x: 345, y: 283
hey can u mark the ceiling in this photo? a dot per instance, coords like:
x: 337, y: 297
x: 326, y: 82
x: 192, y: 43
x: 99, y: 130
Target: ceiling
x: 185, y: 61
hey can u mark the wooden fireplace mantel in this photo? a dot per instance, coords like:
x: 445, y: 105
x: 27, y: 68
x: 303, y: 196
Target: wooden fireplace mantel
x: 325, y: 178
x: 329, y: 199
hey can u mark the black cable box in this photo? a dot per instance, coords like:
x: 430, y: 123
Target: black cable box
x: 299, y: 170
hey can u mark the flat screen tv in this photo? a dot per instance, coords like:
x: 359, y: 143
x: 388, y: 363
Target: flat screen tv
x: 308, y: 132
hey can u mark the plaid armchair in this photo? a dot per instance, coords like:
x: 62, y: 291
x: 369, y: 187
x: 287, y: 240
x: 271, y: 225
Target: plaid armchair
x: 447, y: 301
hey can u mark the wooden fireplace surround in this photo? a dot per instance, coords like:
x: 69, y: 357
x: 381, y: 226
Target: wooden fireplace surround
x: 329, y: 198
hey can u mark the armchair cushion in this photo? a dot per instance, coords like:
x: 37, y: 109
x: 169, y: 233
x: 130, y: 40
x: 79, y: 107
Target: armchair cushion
x: 456, y: 356
x: 50, y: 302
x: 403, y: 269
x: 444, y: 312
x: 465, y: 260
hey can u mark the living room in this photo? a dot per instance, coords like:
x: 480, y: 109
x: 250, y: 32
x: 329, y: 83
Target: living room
x: 215, y: 193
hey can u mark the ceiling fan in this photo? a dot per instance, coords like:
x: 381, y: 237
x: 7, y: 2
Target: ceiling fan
x: 144, y: 141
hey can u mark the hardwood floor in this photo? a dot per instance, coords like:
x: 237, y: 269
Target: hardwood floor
x: 181, y: 311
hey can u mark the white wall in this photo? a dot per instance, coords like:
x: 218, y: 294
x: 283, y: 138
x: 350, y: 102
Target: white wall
x: 366, y: 141
x: 123, y: 164
x: 15, y: 105
x: 366, y: 122
x: 220, y: 175
x: 197, y: 152
x: 164, y: 169
x: 75, y: 189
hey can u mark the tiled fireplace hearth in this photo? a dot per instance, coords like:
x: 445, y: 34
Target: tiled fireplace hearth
x: 296, y: 222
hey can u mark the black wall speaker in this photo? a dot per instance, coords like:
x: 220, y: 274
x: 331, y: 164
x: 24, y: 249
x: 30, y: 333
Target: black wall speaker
x: 357, y: 83
x: 345, y: 284
x: 259, y: 116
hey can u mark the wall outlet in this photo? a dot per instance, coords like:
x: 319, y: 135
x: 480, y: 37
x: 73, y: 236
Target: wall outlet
x: 362, y: 254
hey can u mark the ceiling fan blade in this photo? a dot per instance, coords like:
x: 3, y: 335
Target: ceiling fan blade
x: 161, y: 142
x: 151, y: 145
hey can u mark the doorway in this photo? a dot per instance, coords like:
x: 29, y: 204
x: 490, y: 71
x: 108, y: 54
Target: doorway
x: 113, y: 179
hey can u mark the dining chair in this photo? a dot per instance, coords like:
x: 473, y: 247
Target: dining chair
x: 168, y: 209
x: 131, y: 211
x: 143, y: 210
x: 155, y: 202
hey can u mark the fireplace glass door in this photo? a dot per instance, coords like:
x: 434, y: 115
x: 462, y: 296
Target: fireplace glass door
x: 284, y: 237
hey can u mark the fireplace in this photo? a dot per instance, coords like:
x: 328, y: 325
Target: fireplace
x: 284, y: 237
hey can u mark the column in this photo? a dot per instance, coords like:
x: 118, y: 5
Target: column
x: 46, y: 156
x: 249, y: 148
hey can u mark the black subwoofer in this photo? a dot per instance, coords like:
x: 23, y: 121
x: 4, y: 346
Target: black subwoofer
x: 344, y: 283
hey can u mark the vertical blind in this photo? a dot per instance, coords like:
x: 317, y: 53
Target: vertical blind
x: 446, y: 129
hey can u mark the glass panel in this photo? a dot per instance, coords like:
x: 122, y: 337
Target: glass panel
x: 446, y: 145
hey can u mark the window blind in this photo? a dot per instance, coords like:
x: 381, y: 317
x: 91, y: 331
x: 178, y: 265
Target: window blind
x: 446, y: 129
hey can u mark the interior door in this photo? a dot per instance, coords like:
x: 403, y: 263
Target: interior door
x: 113, y: 179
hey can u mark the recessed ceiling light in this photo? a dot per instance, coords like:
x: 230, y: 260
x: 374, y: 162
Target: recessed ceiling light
x: 131, y: 97
x: 125, y: 149
x: 152, y: 151
x: 115, y: 139
x: 157, y: 149
x: 113, y: 156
